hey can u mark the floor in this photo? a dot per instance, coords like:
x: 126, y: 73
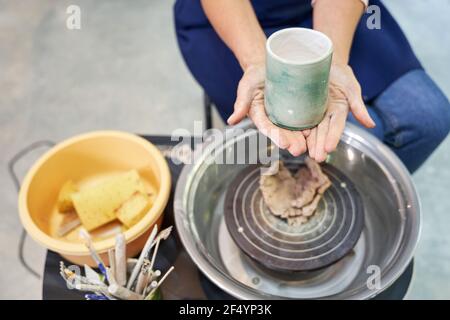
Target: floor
x: 123, y: 71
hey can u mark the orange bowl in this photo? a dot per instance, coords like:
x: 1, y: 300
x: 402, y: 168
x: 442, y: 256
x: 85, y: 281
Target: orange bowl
x: 84, y: 159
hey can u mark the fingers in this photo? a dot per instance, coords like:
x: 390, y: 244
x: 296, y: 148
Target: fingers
x: 358, y: 107
x: 297, y: 143
x: 311, y: 142
x: 322, y: 131
x: 335, y: 130
x: 343, y: 78
x: 306, y: 133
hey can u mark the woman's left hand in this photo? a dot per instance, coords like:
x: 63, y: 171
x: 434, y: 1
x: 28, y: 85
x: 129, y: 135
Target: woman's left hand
x: 344, y: 95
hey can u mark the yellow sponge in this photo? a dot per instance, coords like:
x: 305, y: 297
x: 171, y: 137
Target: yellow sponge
x: 132, y: 210
x: 64, y: 202
x: 96, y: 205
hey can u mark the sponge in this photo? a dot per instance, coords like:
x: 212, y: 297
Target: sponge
x: 96, y: 205
x: 64, y: 202
x: 132, y: 210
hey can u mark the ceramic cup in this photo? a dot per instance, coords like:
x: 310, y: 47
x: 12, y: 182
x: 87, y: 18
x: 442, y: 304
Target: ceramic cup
x: 298, y: 64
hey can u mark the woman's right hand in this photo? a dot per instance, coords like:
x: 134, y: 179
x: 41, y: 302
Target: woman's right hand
x: 250, y: 101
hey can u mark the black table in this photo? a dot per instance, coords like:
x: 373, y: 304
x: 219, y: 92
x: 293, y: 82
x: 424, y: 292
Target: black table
x: 171, y: 252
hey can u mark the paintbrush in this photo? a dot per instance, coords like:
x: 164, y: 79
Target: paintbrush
x: 88, y: 242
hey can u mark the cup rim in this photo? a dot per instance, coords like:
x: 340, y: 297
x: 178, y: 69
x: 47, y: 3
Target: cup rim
x: 306, y: 62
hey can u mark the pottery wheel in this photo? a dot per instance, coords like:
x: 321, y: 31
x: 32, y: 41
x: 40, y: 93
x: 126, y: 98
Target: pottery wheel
x: 327, y: 237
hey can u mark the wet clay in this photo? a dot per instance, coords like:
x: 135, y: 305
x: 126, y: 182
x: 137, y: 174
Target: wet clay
x: 293, y: 197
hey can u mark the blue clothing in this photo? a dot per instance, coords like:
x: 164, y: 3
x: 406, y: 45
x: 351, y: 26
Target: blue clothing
x: 378, y: 57
x: 412, y: 117
x: 382, y: 61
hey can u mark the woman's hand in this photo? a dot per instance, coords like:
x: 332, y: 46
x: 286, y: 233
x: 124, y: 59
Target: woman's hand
x: 344, y: 95
x: 237, y: 25
x: 250, y: 101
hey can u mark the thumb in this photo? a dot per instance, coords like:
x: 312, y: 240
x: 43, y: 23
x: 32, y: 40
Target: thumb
x: 243, y: 102
x: 358, y: 108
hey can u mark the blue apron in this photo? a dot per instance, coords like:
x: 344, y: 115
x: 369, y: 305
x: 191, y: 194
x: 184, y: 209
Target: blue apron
x: 378, y: 57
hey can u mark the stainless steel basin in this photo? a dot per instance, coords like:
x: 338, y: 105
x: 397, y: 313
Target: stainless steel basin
x: 386, y: 245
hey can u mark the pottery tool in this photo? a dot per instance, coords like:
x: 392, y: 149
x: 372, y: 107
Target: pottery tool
x: 72, y: 283
x: 73, y: 279
x: 131, y: 263
x: 149, y: 296
x: 325, y: 238
x: 162, y: 235
x: 105, y: 286
x: 143, y: 255
x: 69, y: 223
x: 111, y: 278
x: 89, y: 287
x: 123, y: 293
x: 155, y: 251
x: 150, y: 287
x: 112, y: 262
x: 93, y: 276
x: 148, y: 283
x: 155, y: 274
x: 88, y: 242
x: 143, y: 277
x: 121, y: 260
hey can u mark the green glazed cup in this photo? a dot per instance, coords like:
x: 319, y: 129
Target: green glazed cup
x: 298, y: 65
